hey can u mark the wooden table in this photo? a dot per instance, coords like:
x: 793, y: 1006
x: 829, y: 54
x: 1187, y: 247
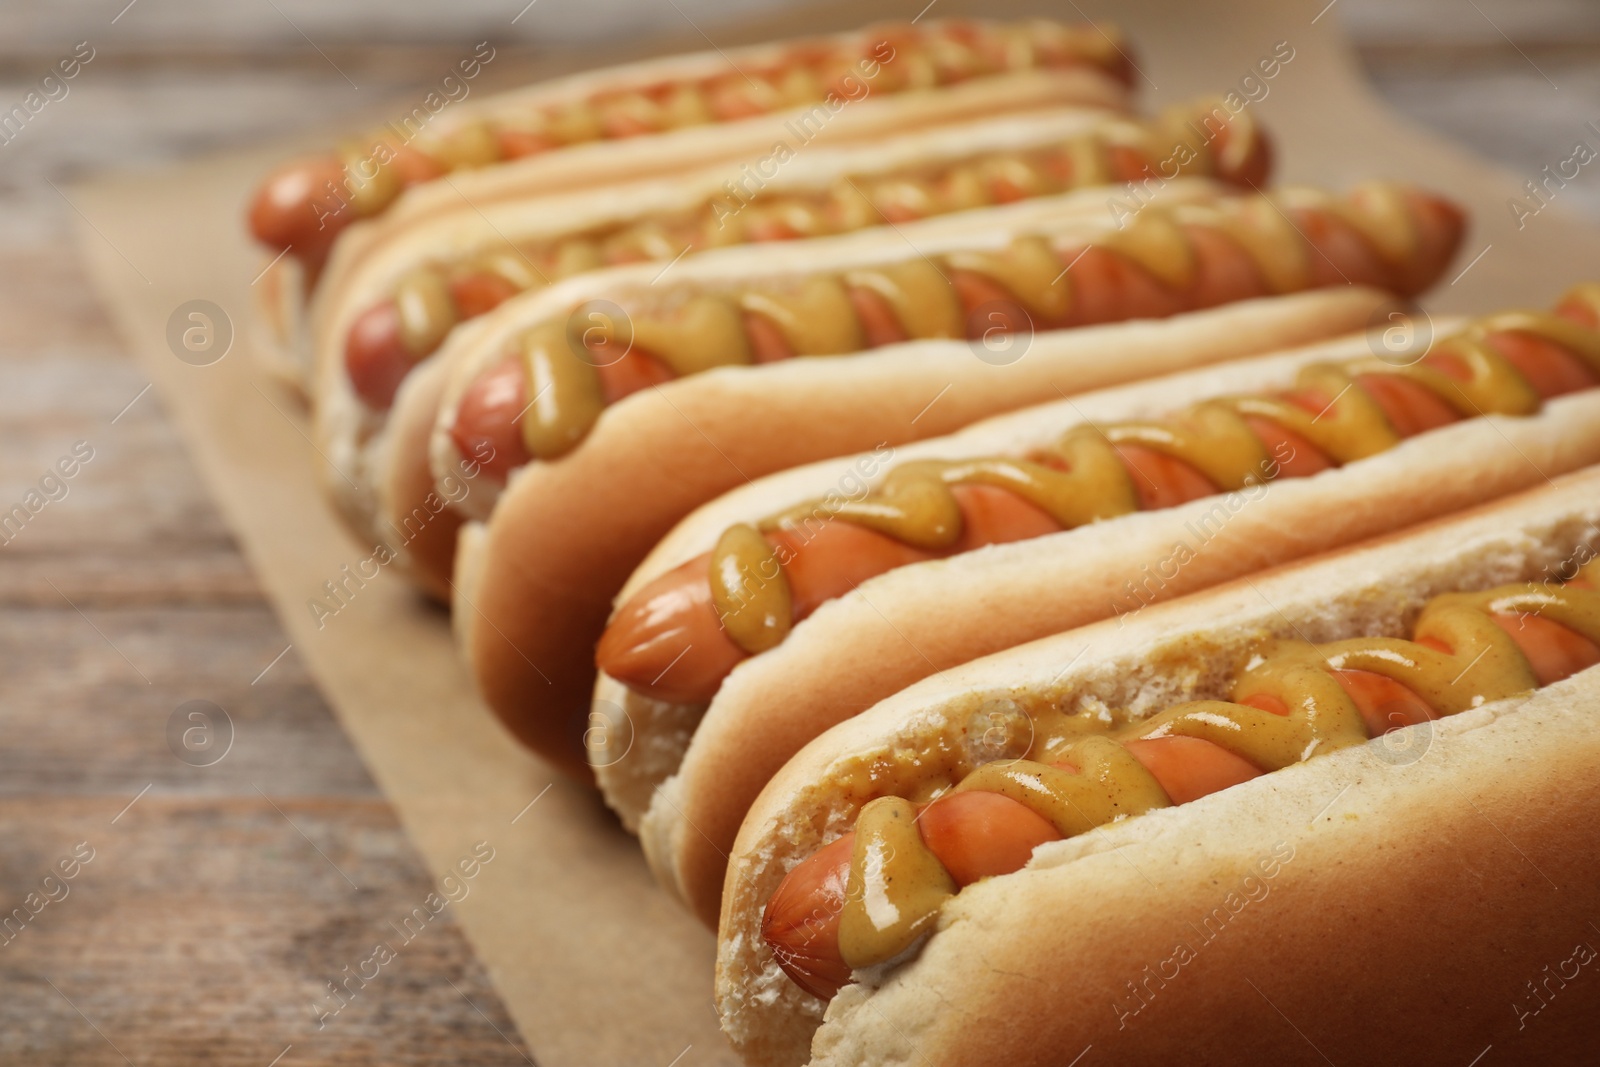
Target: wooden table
x: 221, y: 901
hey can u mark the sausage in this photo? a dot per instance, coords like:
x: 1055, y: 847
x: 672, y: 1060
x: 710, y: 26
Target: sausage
x: 982, y: 835
x: 480, y: 292
x: 304, y: 205
x: 975, y: 834
x: 376, y: 356
x: 986, y: 305
x: 879, y: 324
x: 675, y: 640
x: 1554, y: 651
x: 767, y: 342
x: 674, y: 647
x: 489, y: 407
x: 487, y: 415
x: 1162, y: 481
x: 624, y: 375
x: 516, y: 144
x: 375, y: 359
x: 1108, y: 287
x: 295, y: 208
x: 801, y: 921
x: 1256, y: 167
x: 1188, y: 768
x: 1410, y: 408
x: 1384, y: 703
x: 1292, y: 455
x: 1549, y: 368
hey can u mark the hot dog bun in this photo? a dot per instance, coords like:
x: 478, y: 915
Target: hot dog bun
x: 567, y: 534
x: 1095, y: 82
x: 917, y: 620
x: 1439, y: 864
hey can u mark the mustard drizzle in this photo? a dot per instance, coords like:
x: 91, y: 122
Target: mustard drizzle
x: 922, y: 59
x: 1484, y: 665
x: 854, y: 202
x: 1081, y: 479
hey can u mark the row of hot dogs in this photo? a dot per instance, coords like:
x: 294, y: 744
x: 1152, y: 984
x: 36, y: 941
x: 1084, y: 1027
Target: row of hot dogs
x: 813, y: 496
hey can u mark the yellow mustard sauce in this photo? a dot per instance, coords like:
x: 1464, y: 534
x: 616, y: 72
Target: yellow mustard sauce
x: 751, y: 604
x: 915, y: 505
x: 564, y: 390
x: 854, y: 202
x: 816, y: 318
x: 896, y: 886
x: 895, y: 903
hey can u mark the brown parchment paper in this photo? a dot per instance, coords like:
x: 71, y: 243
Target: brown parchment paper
x: 594, y: 964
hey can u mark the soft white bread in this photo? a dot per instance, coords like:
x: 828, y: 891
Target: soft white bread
x: 1386, y: 903
x: 417, y: 518
x: 566, y: 535
x: 865, y: 119
x: 918, y: 620
x: 354, y: 443
x: 280, y: 338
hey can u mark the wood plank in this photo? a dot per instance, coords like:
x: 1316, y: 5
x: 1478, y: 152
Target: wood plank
x: 177, y: 941
x: 207, y: 922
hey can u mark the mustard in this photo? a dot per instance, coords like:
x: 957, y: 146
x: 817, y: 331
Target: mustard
x: 890, y: 905
x: 1081, y: 478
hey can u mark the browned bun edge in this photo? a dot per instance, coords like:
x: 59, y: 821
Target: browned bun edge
x: 466, y: 580
x: 277, y: 327
x: 566, y: 534
x: 918, y: 620
x: 1391, y: 885
x: 418, y: 520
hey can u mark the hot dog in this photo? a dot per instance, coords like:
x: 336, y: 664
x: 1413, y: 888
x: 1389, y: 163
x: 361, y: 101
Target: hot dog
x: 990, y: 822
x: 383, y: 319
x: 1163, y: 262
x: 661, y: 117
x: 1348, y: 718
x: 615, y: 477
x: 924, y: 512
x: 1135, y: 499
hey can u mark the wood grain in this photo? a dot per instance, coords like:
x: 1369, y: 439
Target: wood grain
x: 218, y: 906
x: 212, y: 914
